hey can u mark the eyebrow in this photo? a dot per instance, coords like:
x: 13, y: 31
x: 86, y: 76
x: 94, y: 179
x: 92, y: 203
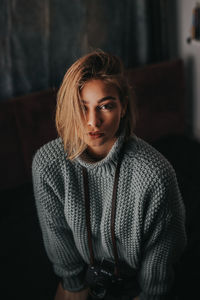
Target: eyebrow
x: 102, y: 99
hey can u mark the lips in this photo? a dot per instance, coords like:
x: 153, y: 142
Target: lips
x: 95, y: 134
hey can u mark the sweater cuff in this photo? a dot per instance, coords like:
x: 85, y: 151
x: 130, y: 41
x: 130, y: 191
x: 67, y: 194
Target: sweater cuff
x: 74, y: 283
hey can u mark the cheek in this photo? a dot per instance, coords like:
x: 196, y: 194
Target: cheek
x: 114, y: 121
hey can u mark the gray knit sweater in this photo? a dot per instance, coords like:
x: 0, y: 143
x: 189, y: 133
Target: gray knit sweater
x: 150, y: 215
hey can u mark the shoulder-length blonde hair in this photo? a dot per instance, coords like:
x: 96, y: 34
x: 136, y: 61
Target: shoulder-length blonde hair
x: 70, y: 112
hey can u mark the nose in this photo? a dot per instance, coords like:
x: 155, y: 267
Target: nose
x: 93, y: 119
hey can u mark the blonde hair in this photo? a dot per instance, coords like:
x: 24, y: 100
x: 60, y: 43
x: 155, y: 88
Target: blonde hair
x: 69, y: 111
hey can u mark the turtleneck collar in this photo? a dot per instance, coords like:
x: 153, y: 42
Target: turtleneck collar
x: 106, y: 166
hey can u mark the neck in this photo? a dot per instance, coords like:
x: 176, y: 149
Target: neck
x: 95, y: 156
x: 99, y: 153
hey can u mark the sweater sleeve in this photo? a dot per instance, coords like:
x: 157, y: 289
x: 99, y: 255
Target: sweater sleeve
x: 164, y: 237
x: 57, y: 235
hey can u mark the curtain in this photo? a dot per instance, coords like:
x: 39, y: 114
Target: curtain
x: 40, y: 39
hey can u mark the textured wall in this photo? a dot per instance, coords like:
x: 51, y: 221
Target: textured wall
x: 40, y: 39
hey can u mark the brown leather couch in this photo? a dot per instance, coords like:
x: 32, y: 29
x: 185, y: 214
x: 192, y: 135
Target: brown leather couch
x: 27, y: 122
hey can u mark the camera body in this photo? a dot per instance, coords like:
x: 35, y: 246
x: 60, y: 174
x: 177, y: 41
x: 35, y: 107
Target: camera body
x: 101, y: 279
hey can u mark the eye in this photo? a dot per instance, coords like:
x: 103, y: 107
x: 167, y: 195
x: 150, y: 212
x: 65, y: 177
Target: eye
x: 108, y: 106
x: 84, y: 107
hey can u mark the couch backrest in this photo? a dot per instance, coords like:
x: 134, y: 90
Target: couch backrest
x: 27, y: 122
x: 160, y: 91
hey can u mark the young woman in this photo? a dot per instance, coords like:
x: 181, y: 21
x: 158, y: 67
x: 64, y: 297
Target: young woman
x: 109, y: 205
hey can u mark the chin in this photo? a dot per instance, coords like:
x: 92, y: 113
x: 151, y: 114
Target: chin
x: 96, y: 144
x: 102, y: 142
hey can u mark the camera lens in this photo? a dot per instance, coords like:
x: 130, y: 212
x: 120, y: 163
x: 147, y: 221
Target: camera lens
x: 98, y: 292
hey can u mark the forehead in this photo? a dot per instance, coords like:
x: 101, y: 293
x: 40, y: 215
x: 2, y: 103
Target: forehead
x: 97, y: 87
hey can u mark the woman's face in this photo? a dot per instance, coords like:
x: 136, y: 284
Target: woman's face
x: 103, y: 114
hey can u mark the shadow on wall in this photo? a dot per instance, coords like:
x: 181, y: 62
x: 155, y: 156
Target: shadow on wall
x: 172, y: 16
x: 189, y: 76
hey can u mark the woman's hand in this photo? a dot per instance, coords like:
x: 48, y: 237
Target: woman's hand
x: 62, y: 294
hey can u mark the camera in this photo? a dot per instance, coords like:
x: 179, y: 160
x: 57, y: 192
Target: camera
x: 101, y: 279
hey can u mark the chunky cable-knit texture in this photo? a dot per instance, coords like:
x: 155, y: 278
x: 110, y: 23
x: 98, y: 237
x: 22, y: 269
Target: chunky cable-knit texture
x: 150, y: 215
